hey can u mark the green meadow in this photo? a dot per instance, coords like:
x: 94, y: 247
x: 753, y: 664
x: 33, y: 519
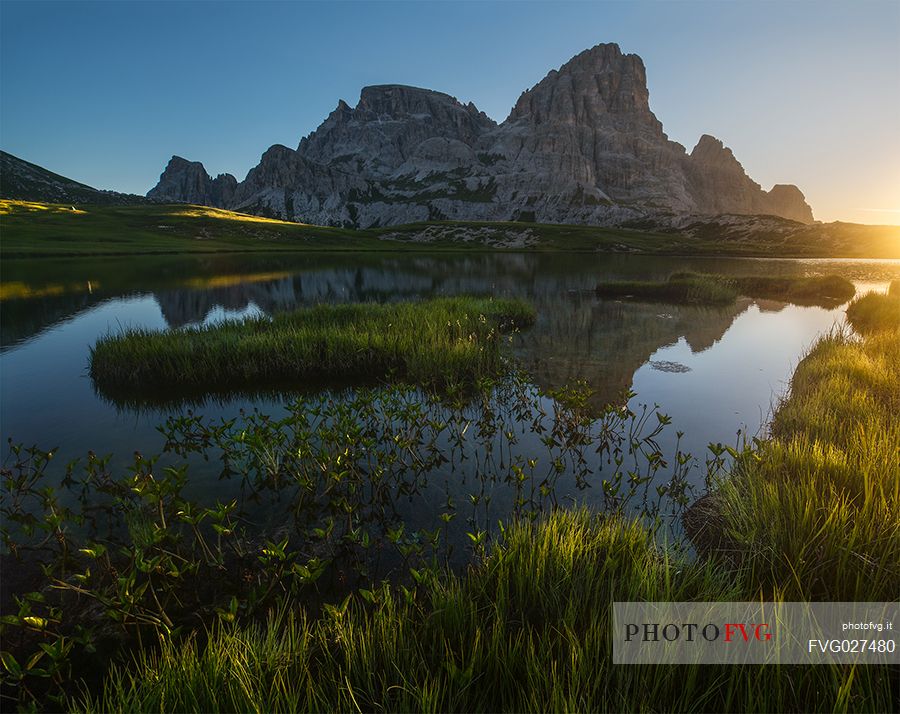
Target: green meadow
x: 35, y: 230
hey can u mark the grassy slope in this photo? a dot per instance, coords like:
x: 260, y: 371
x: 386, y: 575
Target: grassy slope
x: 437, y: 342
x: 36, y: 230
x: 810, y: 516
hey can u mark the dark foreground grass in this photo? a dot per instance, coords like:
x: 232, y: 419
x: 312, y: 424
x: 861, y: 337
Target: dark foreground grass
x: 527, y: 629
x: 811, y: 514
x: 707, y: 289
x: 434, y: 343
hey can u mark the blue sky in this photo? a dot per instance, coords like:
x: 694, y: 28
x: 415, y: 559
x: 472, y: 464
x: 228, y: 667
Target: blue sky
x: 803, y: 92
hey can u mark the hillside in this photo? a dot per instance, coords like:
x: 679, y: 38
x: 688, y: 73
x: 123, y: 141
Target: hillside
x: 31, y: 229
x: 24, y: 181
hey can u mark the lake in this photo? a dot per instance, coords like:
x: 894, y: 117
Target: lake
x: 716, y: 372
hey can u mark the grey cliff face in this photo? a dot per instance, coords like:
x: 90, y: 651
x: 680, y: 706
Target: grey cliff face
x: 188, y: 181
x: 581, y: 146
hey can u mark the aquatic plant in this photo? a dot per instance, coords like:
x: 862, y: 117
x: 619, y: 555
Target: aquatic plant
x: 874, y: 312
x: 680, y: 288
x: 709, y: 289
x: 813, y: 511
x: 319, y: 506
x: 435, y: 343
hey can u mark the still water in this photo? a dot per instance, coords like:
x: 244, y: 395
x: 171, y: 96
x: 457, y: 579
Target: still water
x: 715, y: 371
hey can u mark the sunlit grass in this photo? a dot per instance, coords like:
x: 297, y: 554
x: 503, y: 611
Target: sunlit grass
x: 33, y: 230
x: 9, y: 206
x: 815, y: 510
x: 192, y: 211
x: 433, y: 343
x: 875, y: 312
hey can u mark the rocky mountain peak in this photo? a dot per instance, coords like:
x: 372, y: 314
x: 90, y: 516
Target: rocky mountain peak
x: 593, y: 85
x: 788, y: 201
x: 581, y: 146
x: 381, y: 133
x: 710, y: 150
x: 187, y: 181
x: 395, y: 101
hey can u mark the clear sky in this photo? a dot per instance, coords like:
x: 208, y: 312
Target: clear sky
x: 803, y: 92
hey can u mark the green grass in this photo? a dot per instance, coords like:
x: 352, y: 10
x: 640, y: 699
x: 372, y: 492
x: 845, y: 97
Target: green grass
x: 36, y: 230
x: 818, y: 290
x: 434, y: 343
x: 815, y: 511
x: 874, y: 312
x: 681, y: 288
x: 525, y: 630
x: 811, y: 514
x: 705, y: 289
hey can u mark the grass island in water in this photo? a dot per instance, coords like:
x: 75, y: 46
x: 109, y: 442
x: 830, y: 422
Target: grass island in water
x: 434, y: 343
x: 708, y: 289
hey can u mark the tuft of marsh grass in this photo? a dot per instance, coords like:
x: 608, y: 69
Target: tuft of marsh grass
x: 526, y: 629
x: 680, y: 288
x: 708, y: 289
x: 874, y: 312
x: 814, y: 511
x: 433, y: 343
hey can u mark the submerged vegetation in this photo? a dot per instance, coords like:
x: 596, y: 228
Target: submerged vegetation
x: 435, y: 343
x: 706, y: 289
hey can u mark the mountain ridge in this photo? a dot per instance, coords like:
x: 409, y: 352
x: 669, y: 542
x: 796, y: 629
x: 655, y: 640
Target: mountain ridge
x: 581, y: 146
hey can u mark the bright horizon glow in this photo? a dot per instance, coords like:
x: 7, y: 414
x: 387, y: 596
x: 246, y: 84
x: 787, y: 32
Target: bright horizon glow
x: 106, y: 93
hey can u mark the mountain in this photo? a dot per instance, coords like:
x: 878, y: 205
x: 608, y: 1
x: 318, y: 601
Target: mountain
x: 24, y: 181
x: 581, y: 146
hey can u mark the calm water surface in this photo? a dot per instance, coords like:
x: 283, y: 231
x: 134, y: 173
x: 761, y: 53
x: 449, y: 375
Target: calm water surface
x: 714, y: 371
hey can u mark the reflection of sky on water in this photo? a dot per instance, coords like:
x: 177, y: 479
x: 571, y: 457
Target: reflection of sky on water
x: 740, y: 358
x: 737, y: 382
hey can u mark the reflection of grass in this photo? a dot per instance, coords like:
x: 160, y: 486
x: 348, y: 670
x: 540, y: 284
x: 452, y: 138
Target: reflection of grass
x: 874, y: 312
x: 703, y: 289
x: 434, y: 343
